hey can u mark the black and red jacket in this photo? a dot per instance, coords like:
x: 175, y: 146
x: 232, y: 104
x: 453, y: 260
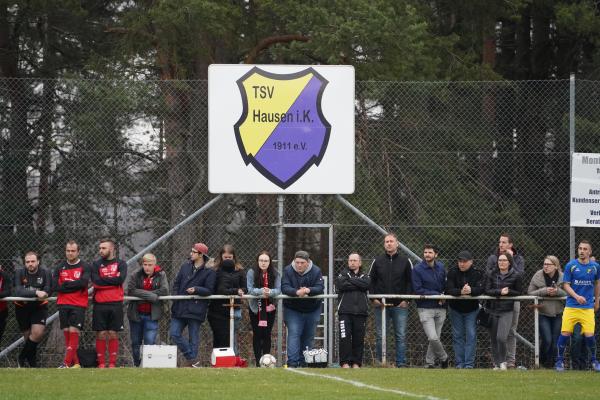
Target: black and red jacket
x: 148, y: 283
x: 107, y: 278
x: 26, y: 284
x: 5, y: 286
x: 70, y: 281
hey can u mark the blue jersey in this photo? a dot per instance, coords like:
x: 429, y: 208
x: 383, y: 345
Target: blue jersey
x: 582, y: 278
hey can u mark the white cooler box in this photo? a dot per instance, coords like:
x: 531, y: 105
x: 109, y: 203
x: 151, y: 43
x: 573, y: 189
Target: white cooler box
x: 156, y: 356
x: 222, y: 357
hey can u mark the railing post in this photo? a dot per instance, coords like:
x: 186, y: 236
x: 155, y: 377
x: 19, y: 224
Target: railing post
x: 280, y: 264
x: 571, y: 151
x: 536, y: 324
x: 383, y: 333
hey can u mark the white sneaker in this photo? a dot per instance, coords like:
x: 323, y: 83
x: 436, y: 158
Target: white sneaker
x: 503, y: 366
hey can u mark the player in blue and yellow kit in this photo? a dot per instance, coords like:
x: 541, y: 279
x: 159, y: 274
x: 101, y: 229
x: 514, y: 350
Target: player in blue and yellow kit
x: 582, y: 284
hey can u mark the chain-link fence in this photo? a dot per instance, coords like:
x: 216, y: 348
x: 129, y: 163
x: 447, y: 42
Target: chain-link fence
x: 450, y: 163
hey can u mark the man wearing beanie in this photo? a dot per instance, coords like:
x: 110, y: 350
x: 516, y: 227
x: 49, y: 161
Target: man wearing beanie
x: 193, y: 278
x: 301, y: 279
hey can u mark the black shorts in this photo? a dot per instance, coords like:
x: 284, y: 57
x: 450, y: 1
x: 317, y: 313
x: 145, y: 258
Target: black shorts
x: 27, y: 316
x: 107, y: 317
x: 71, y: 316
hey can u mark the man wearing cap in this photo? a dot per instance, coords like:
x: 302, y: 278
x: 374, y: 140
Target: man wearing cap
x: 464, y: 280
x: 429, y: 279
x: 301, y: 279
x: 193, y: 278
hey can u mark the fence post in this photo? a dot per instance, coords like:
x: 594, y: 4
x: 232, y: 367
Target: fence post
x: 280, y: 234
x: 536, y: 324
x: 383, y: 333
x: 571, y: 151
x: 331, y: 310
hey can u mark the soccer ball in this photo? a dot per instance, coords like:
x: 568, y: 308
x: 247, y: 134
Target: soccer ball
x: 267, y: 361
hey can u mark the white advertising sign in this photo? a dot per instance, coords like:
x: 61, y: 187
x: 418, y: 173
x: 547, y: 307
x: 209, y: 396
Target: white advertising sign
x: 585, y: 190
x: 280, y: 129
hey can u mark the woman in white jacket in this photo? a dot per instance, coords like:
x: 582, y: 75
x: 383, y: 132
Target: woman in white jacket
x: 262, y: 280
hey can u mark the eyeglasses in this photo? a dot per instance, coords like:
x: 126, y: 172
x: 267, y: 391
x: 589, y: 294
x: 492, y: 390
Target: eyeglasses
x: 549, y: 264
x: 195, y: 251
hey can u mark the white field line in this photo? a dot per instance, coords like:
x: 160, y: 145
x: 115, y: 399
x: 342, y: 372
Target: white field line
x: 364, y: 385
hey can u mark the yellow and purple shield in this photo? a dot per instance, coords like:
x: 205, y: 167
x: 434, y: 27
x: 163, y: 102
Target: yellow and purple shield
x: 282, y: 131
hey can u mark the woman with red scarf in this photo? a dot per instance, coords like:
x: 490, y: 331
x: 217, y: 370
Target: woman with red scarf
x: 263, y: 280
x: 147, y: 283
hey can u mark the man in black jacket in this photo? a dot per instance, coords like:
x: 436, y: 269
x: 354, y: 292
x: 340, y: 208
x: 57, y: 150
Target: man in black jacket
x: 464, y: 280
x: 391, y: 274
x: 35, y: 282
x: 353, y: 306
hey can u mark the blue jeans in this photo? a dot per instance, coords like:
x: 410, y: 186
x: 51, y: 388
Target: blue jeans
x: 398, y: 316
x: 549, y: 333
x: 301, y: 328
x: 145, y: 330
x: 464, y: 337
x: 189, y: 348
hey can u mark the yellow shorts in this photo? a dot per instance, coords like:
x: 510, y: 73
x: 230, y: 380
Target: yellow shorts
x: 584, y: 316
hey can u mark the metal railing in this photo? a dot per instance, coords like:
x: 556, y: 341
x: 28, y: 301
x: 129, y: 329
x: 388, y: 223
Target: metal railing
x: 328, y: 341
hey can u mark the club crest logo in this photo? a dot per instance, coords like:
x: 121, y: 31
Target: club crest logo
x: 282, y: 131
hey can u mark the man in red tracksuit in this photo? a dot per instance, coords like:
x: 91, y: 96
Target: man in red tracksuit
x: 70, y: 279
x: 108, y: 274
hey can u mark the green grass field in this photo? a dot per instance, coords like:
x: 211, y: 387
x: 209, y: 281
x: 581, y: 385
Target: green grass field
x: 255, y: 383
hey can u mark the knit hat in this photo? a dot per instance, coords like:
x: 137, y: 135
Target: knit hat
x: 302, y: 254
x: 202, y: 249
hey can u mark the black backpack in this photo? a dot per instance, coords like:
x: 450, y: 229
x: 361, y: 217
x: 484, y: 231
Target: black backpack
x: 87, y: 357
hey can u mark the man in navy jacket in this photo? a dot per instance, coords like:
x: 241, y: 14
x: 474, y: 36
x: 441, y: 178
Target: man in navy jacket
x: 301, y: 279
x: 193, y: 279
x: 429, y: 278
